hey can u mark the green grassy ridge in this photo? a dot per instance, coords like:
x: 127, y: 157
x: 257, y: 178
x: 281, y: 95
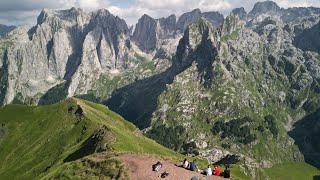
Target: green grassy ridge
x: 293, y: 171
x: 37, y: 140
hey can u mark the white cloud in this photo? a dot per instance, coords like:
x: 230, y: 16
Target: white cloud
x: 92, y: 4
x: 161, y: 8
x: 298, y: 3
x: 14, y: 11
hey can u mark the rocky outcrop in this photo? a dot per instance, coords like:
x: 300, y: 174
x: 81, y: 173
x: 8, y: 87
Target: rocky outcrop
x: 5, y: 29
x: 190, y: 17
x: 265, y: 7
x: 241, y: 13
x: 215, y: 18
x: 149, y: 31
x: 270, y: 8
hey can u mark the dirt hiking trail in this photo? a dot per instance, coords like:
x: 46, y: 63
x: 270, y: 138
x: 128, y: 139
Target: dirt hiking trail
x: 140, y: 168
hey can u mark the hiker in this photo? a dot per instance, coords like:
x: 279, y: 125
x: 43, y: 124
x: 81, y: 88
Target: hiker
x: 226, y: 173
x: 185, y: 164
x: 217, y: 171
x: 193, y: 166
x: 208, y: 171
x: 156, y: 167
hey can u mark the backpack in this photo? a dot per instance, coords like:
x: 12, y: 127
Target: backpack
x: 164, y: 174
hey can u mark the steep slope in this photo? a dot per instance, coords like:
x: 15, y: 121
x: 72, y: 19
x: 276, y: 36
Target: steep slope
x: 236, y: 90
x: 45, y: 141
x: 243, y: 91
x: 149, y: 32
x: 67, y: 48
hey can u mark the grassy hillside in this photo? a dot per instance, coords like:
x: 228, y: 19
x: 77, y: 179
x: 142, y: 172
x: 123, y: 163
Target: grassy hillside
x: 51, y: 141
x: 77, y: 139
x: 292, y: 171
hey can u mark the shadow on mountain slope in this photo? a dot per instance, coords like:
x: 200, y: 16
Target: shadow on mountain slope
x: 309, y: 39
x: 306, y: 134
x: 137, y: 101
x: 55, y: 94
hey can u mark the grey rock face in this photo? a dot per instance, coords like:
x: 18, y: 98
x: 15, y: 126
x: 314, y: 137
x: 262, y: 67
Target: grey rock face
x: 149, y: 31
x: 146, y: 33
x: 5, y: 29
x: 266, y: 7
x: 66, y: 45
x: 240, y: 12
x: 215, y: 18
x: 270, y: 8
x: 293, y: 14
x: 190, y: 17
x: 168, y: 25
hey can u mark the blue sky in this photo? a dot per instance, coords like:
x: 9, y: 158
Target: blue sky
x: 24, y: 12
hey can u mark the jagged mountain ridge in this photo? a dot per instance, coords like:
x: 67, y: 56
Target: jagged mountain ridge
x: 259, y: 78
x: 243, y: 71
x: 4, y: 29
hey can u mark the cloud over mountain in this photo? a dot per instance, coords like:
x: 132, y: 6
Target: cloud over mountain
x: 21, y: 12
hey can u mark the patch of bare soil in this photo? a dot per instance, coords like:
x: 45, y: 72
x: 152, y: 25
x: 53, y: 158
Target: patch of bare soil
x: 140, y: 168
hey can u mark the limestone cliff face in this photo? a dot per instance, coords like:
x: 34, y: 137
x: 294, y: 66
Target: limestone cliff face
x: 4, y: 29
x: 146, y: 33
x: 237, y: 88
x: 149, y: 31
x: 67, y: 45
x: 241, y: 13
x: 105, y: 49
x: 190, y: 17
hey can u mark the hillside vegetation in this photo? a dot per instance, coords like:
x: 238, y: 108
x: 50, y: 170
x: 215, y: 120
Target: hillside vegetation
x: 51, y: 141
x: 77, y: 139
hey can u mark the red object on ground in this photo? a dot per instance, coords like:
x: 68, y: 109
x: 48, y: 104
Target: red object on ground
x: 217, y: 171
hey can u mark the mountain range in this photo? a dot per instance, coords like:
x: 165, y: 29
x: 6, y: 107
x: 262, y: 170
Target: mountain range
x: 245, y: 85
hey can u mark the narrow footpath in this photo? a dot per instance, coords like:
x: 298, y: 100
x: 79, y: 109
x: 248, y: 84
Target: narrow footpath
x: 140, y: 167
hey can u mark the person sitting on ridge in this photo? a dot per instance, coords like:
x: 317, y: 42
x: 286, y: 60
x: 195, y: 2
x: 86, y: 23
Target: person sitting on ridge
x: 208, y: 171
x: 156, y: 167
x: 185, y: 164
x: 193, y: 166
x: 217, y: 171
x: 226, y: 173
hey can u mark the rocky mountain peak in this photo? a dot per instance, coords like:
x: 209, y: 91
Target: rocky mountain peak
x: 63, y: 15
x: 169, y: 23
x: 215, y: 18
x: 4, y: 29
x: 106, y: 20
x: 145, y: 33
x: 188, y: 18
x: 240, y: 12
x: 149, y: 31
x: 231, y: 24
x: 197, y: 33
x: 265, y: 7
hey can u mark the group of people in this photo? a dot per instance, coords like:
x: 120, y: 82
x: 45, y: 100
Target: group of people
x: 208, y: 171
